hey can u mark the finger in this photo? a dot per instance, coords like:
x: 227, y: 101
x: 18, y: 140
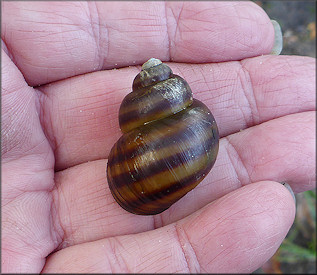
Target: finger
x: 275, y: 150
x: 50, y: 43
x: 80, y: 115
x: 235, y: 234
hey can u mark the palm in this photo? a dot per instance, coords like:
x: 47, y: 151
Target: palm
x: 56, y: 139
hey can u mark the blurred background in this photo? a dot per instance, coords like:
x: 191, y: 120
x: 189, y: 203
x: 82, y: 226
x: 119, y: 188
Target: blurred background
x: 297, y: 254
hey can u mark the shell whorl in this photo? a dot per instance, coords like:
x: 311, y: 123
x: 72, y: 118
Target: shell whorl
x: 152, y: 62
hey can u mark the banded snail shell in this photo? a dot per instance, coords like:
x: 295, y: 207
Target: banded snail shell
x: 169, y: 144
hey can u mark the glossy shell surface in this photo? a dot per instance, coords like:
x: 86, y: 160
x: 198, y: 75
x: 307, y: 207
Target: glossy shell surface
x: 169, y: 144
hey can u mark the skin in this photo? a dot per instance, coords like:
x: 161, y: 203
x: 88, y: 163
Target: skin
x: 60, y: 100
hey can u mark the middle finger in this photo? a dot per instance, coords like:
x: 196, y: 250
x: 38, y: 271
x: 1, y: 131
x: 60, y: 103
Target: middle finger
x: 80, y: 115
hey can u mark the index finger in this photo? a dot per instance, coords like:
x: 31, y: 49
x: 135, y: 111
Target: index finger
x: 52, y: 41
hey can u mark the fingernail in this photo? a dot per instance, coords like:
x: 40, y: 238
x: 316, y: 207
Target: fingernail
x: 278, y: 38
x: 289, y: 188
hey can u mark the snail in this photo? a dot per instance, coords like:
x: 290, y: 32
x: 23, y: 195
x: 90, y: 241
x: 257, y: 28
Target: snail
x: 169, y: 144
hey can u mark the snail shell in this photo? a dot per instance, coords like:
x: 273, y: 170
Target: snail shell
x: 169, y: 144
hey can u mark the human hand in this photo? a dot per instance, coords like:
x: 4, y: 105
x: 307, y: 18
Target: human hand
x: 60, y: 120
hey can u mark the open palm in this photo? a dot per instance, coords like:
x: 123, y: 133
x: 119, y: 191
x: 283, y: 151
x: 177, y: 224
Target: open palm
x: 60, y: 99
